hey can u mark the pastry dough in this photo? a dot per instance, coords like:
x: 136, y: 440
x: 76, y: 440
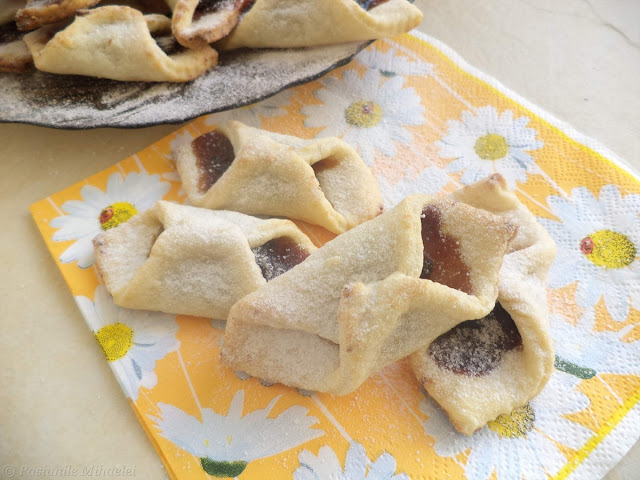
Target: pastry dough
x: 303, y: 23
x: 44, y: 12
x: 116, y: 42
x: 14, y: 54
x: 487, y: 368
x: 186, y: 260
x: 359, y: 303
x: 197, y: 22
x: 323, y: 182
x: 8, y: 10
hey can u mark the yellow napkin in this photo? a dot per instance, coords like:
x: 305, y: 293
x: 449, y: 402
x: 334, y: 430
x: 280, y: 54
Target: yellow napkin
x: 424, y: 121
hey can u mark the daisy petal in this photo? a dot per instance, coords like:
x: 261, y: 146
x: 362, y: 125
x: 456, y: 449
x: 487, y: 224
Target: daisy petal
x: 82, y: 250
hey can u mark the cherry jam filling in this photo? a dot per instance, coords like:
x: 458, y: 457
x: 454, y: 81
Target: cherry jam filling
x: 214, y: 155
x: 476, y: 347
x: 278, y: 256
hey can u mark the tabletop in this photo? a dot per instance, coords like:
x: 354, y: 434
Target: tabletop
x: 62, y: 406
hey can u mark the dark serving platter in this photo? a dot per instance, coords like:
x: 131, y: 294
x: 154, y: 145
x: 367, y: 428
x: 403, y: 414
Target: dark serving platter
x: 242, y: 77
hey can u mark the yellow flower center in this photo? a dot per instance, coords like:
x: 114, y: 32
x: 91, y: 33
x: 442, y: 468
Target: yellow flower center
x: 229, y: 439
x: 491, y: 147
x: 608, y: 249
x: 363, y: 114
x: 116, y: 213
x: 116, y: 340
x: 516, y: 424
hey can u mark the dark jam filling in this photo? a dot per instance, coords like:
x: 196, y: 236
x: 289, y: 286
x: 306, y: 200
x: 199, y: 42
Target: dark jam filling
x: 206, y: 7
x: 442, y: 259
x: 369, y: 4
x: 9, y: 33
x: 278, y: 256
x: 214, y: 155
x: 169, y: 45
x: 476, y: 347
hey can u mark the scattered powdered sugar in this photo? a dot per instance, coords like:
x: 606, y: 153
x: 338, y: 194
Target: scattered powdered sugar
x: 242, y: 77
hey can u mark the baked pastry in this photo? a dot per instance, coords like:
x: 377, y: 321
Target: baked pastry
x: 323, y: 182
x: 120, y: 43
x: 37, y: 13
x: 485, y: 368
x: 370, y: 296
x: 14, y: 54
x: 185, y: 260
x: 8, y: 10
x: 304, y: 23
x: 196, y: 22
x: 114, y: 42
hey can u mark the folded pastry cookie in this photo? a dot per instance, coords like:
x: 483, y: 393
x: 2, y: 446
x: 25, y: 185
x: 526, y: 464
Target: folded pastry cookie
x: 371, y: 296
x: 186, y: 260
x: 485, y: 368
x: 196, y: 22
x: 37, y: 13
x: 119, y: 43
x: 304, y: 23
x: 323, y: 182
x: 14, y: 54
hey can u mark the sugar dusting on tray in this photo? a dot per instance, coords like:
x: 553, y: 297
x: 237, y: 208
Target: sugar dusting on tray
x: 242, y: 77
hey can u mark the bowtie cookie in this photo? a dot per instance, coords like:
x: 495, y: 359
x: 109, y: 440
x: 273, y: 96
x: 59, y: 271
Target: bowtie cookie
x: 197, y: 22
x: 485, y: 368
x: 37, y: 13
x: 371, y: 296
x: 119, y: 43
x: 322, y: 182
x: 304, y: 23
x: 14, y: 54
x: 185, y: 260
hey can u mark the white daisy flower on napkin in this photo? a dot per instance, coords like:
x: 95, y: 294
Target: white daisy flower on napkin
x: 225, y: 444
x: 521, y: 444
x: 356, y: 466
x: 252, y: 114
x: 598, y: 247
x: 368, y: 115
x: 132, y: 340
x: 389, y: 64
x: 583, y: 352
x: 99, y: 211
x: 485, y: 142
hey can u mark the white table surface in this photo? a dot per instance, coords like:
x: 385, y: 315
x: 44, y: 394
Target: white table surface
x: 59, y: 402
